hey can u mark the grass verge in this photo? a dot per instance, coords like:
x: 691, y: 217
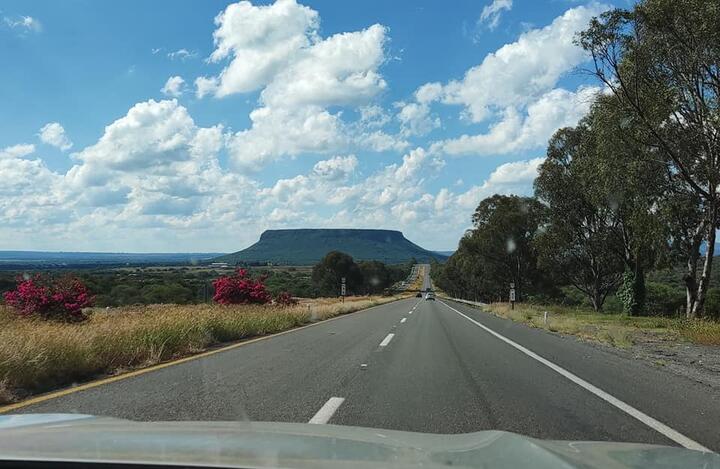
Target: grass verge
x: 418, y: 282
x: 37, y: 356
x: 614, y: 329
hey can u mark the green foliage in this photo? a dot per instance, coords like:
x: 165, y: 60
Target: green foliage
x: 660, y: 62
x: 297, y: 283
x: 499, y: 250
x: 712, y: 303
x: 367, y: 277
x: 664, y: 299
x: 328, y: 273
x: 579, y: 243
x: 632, y: 293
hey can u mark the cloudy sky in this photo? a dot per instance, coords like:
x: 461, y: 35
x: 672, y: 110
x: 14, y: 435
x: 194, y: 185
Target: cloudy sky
x: 171, y: 126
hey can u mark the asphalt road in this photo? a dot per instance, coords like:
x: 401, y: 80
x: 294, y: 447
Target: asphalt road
x: 438, y: 372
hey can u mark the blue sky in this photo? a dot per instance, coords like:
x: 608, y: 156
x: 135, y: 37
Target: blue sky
x: 194, y: 126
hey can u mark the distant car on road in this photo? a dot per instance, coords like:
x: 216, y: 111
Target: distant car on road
x: 430, y: 296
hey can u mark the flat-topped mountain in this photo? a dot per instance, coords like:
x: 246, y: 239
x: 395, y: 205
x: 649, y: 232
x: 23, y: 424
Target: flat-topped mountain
x: 308, y: 246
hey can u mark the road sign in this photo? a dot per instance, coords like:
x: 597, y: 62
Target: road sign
x: 512, y: 295
x: 342, y: 287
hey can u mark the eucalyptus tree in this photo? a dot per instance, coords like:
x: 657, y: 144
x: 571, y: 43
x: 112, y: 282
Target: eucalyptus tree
x: 662, y: 61
x: 579, y: 242
x: 630, y: 180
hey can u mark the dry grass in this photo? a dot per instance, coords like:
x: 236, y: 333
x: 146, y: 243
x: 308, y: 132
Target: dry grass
x: 418, y: 282
x: 37, y: 355
x: 614, y: 329
x: 701, y: 332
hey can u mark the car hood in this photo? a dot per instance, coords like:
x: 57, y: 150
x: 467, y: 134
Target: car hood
x: 71, y: 437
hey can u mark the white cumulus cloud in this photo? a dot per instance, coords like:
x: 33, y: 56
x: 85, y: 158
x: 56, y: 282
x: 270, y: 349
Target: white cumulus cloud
x: 278, y: 50
x: 519, y: 72
x: 337, y: 168
x: 174, y: 86
x: 54, y: 134
x: 17, y: 151
x: 521, y: 130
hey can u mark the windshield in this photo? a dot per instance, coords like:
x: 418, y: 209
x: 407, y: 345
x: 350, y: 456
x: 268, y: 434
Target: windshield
x: 430, y: 217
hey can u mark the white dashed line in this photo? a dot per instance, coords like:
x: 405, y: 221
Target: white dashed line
x: 326, y: 412
x: 387, y: 340
x: 656, y: 425
x: 403, y: 320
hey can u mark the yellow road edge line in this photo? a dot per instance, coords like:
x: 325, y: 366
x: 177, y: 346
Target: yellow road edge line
x: 131, y: 374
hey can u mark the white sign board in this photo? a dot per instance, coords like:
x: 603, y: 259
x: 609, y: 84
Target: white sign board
x: 342, y: 287
x: 512, y: 294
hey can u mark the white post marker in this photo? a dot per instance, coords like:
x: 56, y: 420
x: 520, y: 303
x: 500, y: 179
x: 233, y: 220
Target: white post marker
x: 326, y: 412
x: 656, y: 425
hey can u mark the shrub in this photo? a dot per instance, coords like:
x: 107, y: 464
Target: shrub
x: 632, y: 293
x: 285, y: 299
x: 712, y: 303
x: 62, y: 298
x: 240, y: 288
x: 664, y: 300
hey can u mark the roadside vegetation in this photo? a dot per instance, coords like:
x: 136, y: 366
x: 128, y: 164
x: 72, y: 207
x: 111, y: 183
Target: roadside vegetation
x: 52, y: 335
x: 626, y: 205
x: 363, y: 278
x: 124, y: 286
x: 619, y: 330
x: 38, y: 355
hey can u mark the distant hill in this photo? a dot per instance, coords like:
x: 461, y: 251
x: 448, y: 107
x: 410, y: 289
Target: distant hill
x: 445, y: 253
x: 53, y: 259
x: 308, y: 246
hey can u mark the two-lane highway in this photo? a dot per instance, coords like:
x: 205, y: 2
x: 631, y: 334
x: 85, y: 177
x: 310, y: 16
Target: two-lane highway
x: 418, y: 365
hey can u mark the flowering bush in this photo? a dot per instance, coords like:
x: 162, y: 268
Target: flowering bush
x: 62, y: 298
x: 285, y: 299
x: 240, y: 288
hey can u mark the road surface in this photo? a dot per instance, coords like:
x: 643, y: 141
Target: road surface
x: 423, y: 366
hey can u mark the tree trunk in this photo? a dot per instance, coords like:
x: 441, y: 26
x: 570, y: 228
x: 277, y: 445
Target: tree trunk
x: 702, y: 288
x: 690, y: 277
x: 638, y: 288
x: 597, y: 299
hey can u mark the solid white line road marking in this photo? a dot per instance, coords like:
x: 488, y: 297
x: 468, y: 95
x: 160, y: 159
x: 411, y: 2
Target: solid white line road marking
x: 403, y: 320
x: 326, y: 412
x: 386, y: 340
x: 656, y: 425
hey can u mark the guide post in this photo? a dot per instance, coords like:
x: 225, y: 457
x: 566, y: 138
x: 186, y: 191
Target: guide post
x: 342, y: 289
x: 512, y: 295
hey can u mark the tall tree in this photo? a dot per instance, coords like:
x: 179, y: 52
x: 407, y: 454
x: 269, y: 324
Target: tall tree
x: 579, y: 242
x: 662, y: 61
x: 328, y: 273
x: 631, y: 182
x: 375, y: 276
x: 504, y: 228
x: 497, y: 251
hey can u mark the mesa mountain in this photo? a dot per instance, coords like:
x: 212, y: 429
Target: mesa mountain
x: 308, y: 246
